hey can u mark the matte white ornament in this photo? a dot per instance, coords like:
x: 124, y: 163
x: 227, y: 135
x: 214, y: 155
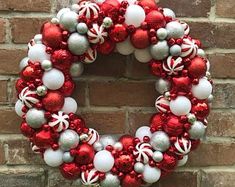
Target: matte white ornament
x: 78, y: 44
x: 62, y: 11
x: 103, y: 161
x: 162, y: 33
x: 183, y: 161
x: 76, y: 69
x: 98, y: 146
x: 35, y: 118
x: 53, y: 79
x: 24, y: 63
x: 38, y: 38
x: 69, y: 139
x: 118, y: 146
x: 106, y: 140
x: 168, y: 13
x: 203, y: 89
x: 151, y: 174
x: 110, y: 181
x: 201, y: 53
x: 175, y: 29
x: 175, y: 50
x: 139, y: 167
x: 67, y: 157
x: 37, y: 53
x: 134, y: 15
x: 142, y: 132
x: 157, y: 156
x: 69, y: 20
x: 18, y: 108
x: 125, y: 48
x: 70, y: 105
x: 160, y: 50
x: 46, y: 65
x: 160, y: 141
x: 53, y: 158
x: 180, y: 106
x: 143, y: 55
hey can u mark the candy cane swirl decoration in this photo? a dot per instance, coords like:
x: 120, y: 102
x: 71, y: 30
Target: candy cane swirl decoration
x: 73, y: 39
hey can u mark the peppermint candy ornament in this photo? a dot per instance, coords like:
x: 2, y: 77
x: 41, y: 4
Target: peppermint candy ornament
x: 142, y: 152
x: 88, y: 9
x: 173, y: 66
x: 97, y: 34
x: 28, y: 97
x: 90, y: 56
x: 182, y: 146
x: 90, y: 177
x: 162, y: 104
x: 93, y: 136
x: 186, y: 27
x: 35, y: 148
x: 59, y: 121
x: 189, y: 48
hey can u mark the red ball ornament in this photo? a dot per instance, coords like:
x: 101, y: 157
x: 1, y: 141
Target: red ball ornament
x: 44, y: 138
x: 173, y: 126
x: 31, y: 72
x: 124, y: 163
x: 140, y: 39
x: 106, y: 48
x: 70, y: 171
x: 156, y: 68
x: 67, y: 88
x: 181, y: 85
x: 197, y: 68
x: 131, y: 181
x: 168, y: 163
x: 20, y: 85
x: 201, y: 110
x: 195, y: 144
x: 155, y: 19
x: 127, y: 141
x: 26, y: 130
x: 53, y: 101
x: 157, y: 121
x: 109, y: 6
x: 62, y: 59
x: 118, y: 33
x: 51, y: 35
x: 84, y: 154
x: 150, y: 4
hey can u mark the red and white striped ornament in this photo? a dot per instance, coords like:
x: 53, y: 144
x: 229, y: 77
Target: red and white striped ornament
x: 31, y: 43
x: 182, y: 146
x: 189, y: 48
x: 186, y: 27
x: 90, y: 55
x: 90, y: 177
x: 162, y: 104
x: 97, y: 34
x: 59, y: 121
x: 35, y: 148
x: 28, y: 97
x: 142, y: 152
x: 88, y: 9
x: 173, y: 66
x: 93, y: 136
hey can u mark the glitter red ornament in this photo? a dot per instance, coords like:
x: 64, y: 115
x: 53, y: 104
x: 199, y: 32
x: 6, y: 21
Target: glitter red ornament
x: 118, y: 33
x: 173, y: 126
x: 26, y: 130
x: 131, y: 181
x: 156, y: 68
x: 70, y: 171
x: 106, y: 48
x: 201, y: 109
x: 67, y: 88
x: 140, y: 39
x: 182, y: 85
x: 109, y: 6
x: 20, y: 85
x: 44, y: 138
x: 168, y: 163
x: 127, y: 141
x: 197, y: 68
x: 84, y: 154
x: 157, y: 121
x: 155, y: 19
x: 124, y: 163
x: 62, y: 59
x: 53, y: 101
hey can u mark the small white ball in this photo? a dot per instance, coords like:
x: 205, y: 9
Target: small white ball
x: 70, y: 105
x: 38, y: 38
x: 139, y: 167
x: 151, y: 174
x: 62, y: 11
x: 162, y: 33
x: 106, y: 140
x: 142, y: 132
x: 175, y: 30
x: 168, y: 13
x: 160, y: 141
x: 67, y: 157
x: 162, y: 85
x: 197, y: 130
x: 183, y: 161
x: 55, y: 20
x: 46, y: 65
x: 24, y: 62
x: 201, y: 53
x: 157, y: 156
x: 75, y: 7
x: 35, y: 118
x: 78, y: 44
x: 98, y: 146
x: 118, y: 146
x: 18, y: 108
x: 134, y: 15
x: 175, y: 50
x: 41, y: 90
x: 69, y: 139
x: 160, y: 50
x: 103, y: 161
x: 82, y: 28
x: 53, y: 79
x: 53, y: 158
x: 180, y: 106
x: 76, y: 69
x: 203, y: 89
x: 37, y: 53
x: 143, y: 55
x: 107, y: 22
x: 69, y: 20
x: 110, y: 180
x: 125, y: 48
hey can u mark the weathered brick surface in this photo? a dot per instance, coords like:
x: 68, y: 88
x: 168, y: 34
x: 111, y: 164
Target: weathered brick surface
x: 225, y: 9
x: 3, y: 90
x: 2, y: 30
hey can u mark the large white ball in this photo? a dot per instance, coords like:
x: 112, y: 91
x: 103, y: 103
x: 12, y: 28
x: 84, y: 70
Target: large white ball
x: 62, y: 11
x: 35, y: 118
x: 24, y: 62
x: 125, y: 48
x: 53, y: 158
x: 38, y: 53
x: 175, y: 30
x: 160, y: 141
x: 69, y: 20
x: 203, y: 89
x: 70, y: 105
x: 135, y: 15
x: 18, y: 108
x: 68, y: 139
x: 180, y: 106
x: 151, y: 174
x: 78, y: 44
x: 143, y: 55
x: 103, y: 161
x: 53, y: 79
x: 197, y: 130
x: 142, y: 132
x: 160, y: 50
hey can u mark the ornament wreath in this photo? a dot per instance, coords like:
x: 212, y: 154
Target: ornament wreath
x: 73, y: 38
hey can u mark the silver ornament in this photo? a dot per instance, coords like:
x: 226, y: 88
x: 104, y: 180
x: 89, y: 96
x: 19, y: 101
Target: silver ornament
x: 69, y: 20
x: 35, y: 118
x: 46, y: 65
x: 162, y: 34
x: 160, y: 141
x: 139, y: 167
x: 168, y: 13
x: 201, y: 53
x: 160, y: 50
x: 67, y: 157
x: 76, y: 69
x: 197, y: 130
x: 106, y: 140
x: 210, y: 98
x: 82, y: 28
x: 78, y: 44
x: 41, y: 90
x: 191, y: 118
x: 107, y: 22
x: 118, y: 146
x: 110, y: 181
x: 98, y: 146
x: 75, y: 7
x: 24, y: 62
x: 157, y: 156
x: 69, y: 139
x: 175, y: 30
x: 175, y: 50
x: 162, y: 85
x: 38, y: 38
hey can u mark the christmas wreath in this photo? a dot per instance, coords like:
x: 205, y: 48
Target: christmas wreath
x: 73, y: 38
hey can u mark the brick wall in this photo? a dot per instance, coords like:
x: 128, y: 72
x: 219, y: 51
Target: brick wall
x: 116, y: 94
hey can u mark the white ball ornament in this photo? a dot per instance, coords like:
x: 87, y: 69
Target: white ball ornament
x: 37, y: 53
x: 69, y: 139
x: 67, y: 157
x: 160, y: 141
x: 118, y: 146
x: 110, y: 181
x: 162, y: 33
x: 134, y: 15
x: 151, y: 174
x: 46, y: 65
x: 18, y: 108
x: 75, y: 8
x: 53, y: 79
x: 180, y: 106
x: 24, y: 62
x: 139, y: 167
x: 197, y: 130
x: 175, y: 50
x: 103, y: 161
x: 175, y: 30
x: 125, y: 48
x: 78, y: 44
x: 157, y: 156
x: 69, y: 20
x: 201, y: 53
x: 35, y: 118
x: 98, y: 146
x: 160, y: 50
x: 142, y: 132
x: 143, y: 55
x: 82, y: 28
x: 107, y: 22
x: 162, y: 85
x: 106, y: 140
x: 168, y: 13
x: 183, y: 161
x: 76, y: 69
x: 62, y: 11
x: 70, y: 105
x: 53, y: 158
x: 203, y: 89
x: 38, y: 38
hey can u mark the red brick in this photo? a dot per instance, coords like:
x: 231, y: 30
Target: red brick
x: 3, y: 90
x: 55, y: 179
x: 10, y: 59
x: 110, y: 122
x: 222, y: 65
x: 186, y: 8
x: 2, y: 154
x: 31, y: 27
x: 26, y: 5
x: 2, y: 30
x: 225, y: 8
x: 62, y: 3
x: 79, y: 93
x: 122, y: 93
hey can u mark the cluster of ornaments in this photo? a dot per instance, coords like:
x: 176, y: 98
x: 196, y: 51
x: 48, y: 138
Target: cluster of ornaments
x: 73, y: 38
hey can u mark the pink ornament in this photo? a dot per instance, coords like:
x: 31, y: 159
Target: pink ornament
x: 162, y: 104
x: 173, y: 66
x: 97, y: 34
x: 189, y: 48
x: 142, y: 152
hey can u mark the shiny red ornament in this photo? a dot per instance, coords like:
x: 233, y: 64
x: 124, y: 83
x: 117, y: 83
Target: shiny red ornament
x: 26, y: 130
x: 181, y: 84
x: 197, y: 68
x: 155, y: 19
x: 131, y: 181
x: 20, y: 85
x: 77, y: 123
x: 109, y: 6
x: 201, y: 110
x: 124, y: 163
x: 140, y: 39
x: 173, y: 126
x: 67, y: 88
x: 51, y: 35
x: 168, y: 163
x: 44, y: 138
x: 118, y: 33
x: 149, y: 4
x: 157, y: 121
x: 127, y: 141
x: 53, y: 101
x: 62, y: 59
x: 84, y: 154
x: 70, y: 171
x: 106, y: 48
x: 31, y: 72
x: 156, y: 68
